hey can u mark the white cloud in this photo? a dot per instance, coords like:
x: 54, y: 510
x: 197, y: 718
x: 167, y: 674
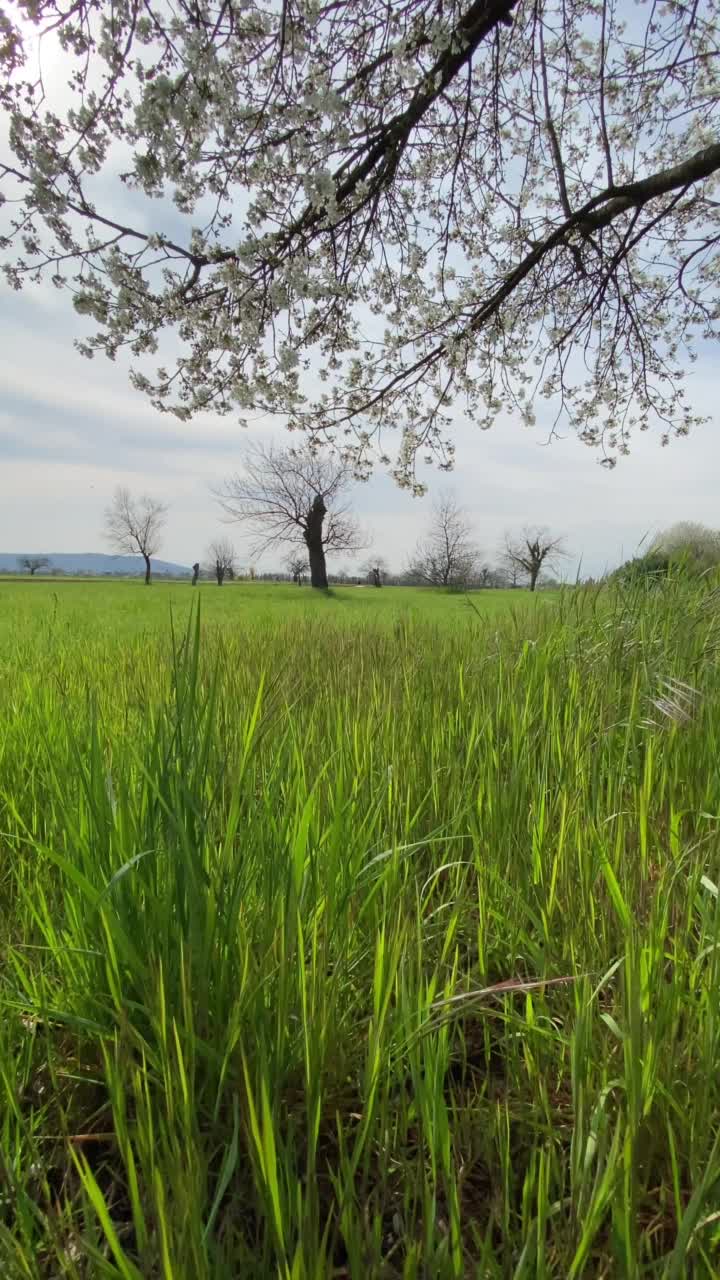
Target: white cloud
x: 72, y: 429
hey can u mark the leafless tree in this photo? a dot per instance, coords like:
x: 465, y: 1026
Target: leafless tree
x: 222, y: 559
x: 532, y: 551
x: 293, y: 497
x: 297, y: 567
x: 447, y: 557
x: 195, y: 573
x: 134, y: 526
x: 33, y: 563
x: 487, y: 576
x: 375, y: 570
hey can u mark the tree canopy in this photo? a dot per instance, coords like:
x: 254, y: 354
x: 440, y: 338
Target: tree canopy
x: 378, y: 217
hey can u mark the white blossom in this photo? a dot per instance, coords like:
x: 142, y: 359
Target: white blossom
x: 456, y: 183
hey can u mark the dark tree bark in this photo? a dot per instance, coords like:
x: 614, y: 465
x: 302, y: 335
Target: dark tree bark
x: 314, y: 541
x: 148, y: 571
x: 196, y: 573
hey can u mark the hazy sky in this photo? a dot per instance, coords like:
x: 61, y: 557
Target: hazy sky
x: 73, y: 429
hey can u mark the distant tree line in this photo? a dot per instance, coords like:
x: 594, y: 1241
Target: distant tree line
x: 297, y: 499
x: 281, y: 504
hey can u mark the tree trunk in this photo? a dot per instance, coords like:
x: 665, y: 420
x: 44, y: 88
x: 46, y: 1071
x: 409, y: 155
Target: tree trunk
x: 318, y: 569
x: 147, y: 569
x: 314, y: 543
x: 219, y: 574
x: 534, y: 574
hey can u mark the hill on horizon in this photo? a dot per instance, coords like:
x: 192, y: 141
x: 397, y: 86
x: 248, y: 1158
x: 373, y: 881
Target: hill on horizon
x: 95, y: 563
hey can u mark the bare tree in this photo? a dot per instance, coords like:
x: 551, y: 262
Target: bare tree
x: 222, y: 559
x: 133, y: 526
x: 532, y: 551
x: 375, y: 570
x: 195, y: 572
x: 447, y: 557
x: 542, y: 173
x: 487, y: 577
x: 293, y: 497
x: 33, y: 563
x: 297, y: 567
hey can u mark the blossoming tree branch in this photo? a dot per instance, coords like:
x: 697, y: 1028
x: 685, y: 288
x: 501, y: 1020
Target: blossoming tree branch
x: 374, y: 217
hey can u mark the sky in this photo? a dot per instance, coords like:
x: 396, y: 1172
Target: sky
x: 71, y: 430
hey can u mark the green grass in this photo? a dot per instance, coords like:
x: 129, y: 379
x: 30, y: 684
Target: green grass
x: 80, y: 606
x: 355, y: 937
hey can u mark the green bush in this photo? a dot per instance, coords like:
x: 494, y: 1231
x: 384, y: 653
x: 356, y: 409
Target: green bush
x: 652, y: 567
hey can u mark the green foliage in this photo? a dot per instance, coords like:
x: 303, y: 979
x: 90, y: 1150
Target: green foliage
x: 647, y: 568
x: 687, y: 548
x: 689, y: 545
x: 343, y: 947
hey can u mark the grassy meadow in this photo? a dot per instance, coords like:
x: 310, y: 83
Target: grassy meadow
x: 79, y: 607
x: 368, y: 935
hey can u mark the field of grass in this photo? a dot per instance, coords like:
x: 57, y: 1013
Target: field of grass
x: 78, y: 605
x: 361, y: 936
